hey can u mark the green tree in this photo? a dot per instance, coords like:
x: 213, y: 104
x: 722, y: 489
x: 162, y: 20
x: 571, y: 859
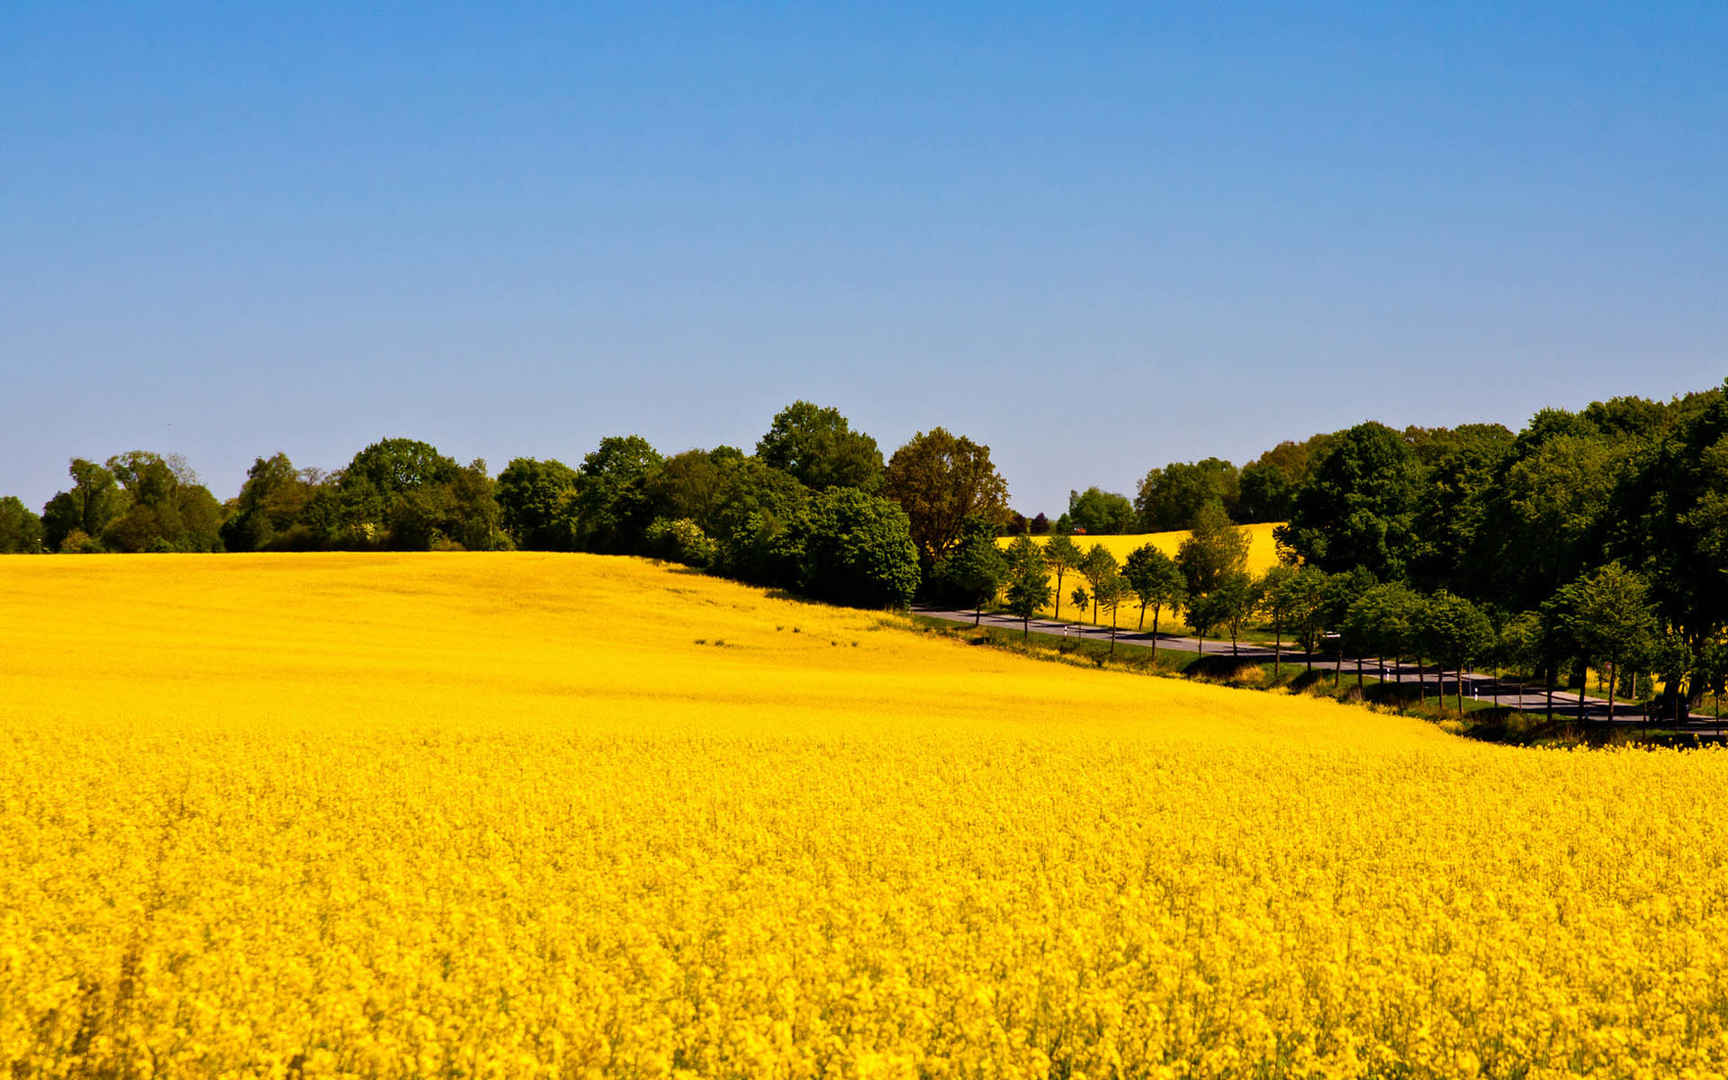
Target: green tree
x: 1156, y: 582
x: 1458, y: 633
x: 1271, y: 601
x: 1097, y: 567
x: 1608, y: 617
x: 612, y: 502
x: 20, y: 529
x: 940, y: 480
x: 1381, y: 622
x: 1267, y: 494
x: 1062, y: 555
x: 819, y: 447
x: 1028, y: 583
x: 1109, y: 594
x: 537, y: 504
x: 1233, y: 603
x: 1080, y: 598
x: 1100, y: 513
x: 977, y: 568
x: 1213, y: 549
x: 268, y: 511
x: 169, y: 510
x: 93, y: 502
x: 1358, y: 507
x: 857, y: 549
x: 1170, y: 497
x: 1301, y: 595
x: 1340, y: 591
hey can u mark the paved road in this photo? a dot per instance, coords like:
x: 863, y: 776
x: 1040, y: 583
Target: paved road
x: 1476, y: 685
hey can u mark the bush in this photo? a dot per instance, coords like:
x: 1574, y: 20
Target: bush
x: 681, y: 541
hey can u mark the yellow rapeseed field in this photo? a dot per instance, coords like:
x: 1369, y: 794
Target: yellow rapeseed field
x: 555, y: 815
x: 1262, y: 556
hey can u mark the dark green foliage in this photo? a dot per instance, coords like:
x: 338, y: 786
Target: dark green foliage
x: 856, y: 549
x: 1606, y: 617
x: 1170, y: 497
x: 403, y: 495
x: 269, y: 513
x: 613, y: 507
x: 680, y: 541
x: 1098, y: 568
x: 166, y: 509
x: 94, y: 501
x: 977, y: 568
x: 537, y: 504
x: 1100, y: 513
x: 1359, y: 506
x: 1061, y: 555
x: 1155, y: 580
x: 1213, y: 549
x: 20, y: 529
x: 820, y: 449
x: 940, y: 480
x: 1028, y: 582
x: 1267, y: 494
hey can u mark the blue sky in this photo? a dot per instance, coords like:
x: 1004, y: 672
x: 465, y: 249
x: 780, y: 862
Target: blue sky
x: 1097, y: 239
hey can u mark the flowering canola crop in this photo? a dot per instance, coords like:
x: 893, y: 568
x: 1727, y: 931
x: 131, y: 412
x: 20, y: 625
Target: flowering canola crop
x: 1262, y: 556
x: 555, y: 815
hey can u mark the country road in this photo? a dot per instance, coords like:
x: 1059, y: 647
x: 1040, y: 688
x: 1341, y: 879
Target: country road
x: 1476, y: 685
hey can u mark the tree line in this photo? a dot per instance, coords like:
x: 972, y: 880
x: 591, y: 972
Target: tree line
x: 1590, y: 540
x: 815, y: 508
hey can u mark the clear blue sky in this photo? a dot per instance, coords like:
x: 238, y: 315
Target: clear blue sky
x: 1098, y: 239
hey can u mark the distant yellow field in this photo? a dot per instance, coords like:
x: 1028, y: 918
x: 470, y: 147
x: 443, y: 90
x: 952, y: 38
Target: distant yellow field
x: 566, y: 816
x: 1262, y: 556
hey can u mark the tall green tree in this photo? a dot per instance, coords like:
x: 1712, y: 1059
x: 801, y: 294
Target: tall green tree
x: 1097, y: 567
x: 1233, y: 604
x: 267, y: 514
x: 88, y: 507
x: 1100, y: 513
x: 856, y: 549
x: 1213, y: 549
x: 1609, y: 618
x: 1063, y: 555
x: 940, y: 480
x: 20, y: 529
x: 1458, y: 633
x: 1028, y: 583
x: 1358, y: 508
x: 1156, y: 582
x: 819, y: 447
x: 977, y: 568
x: 613, y: 508
x: 537, y: 504
x: 1170, y: 497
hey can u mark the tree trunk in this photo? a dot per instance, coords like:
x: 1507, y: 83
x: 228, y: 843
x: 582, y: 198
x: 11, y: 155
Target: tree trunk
x: 1112, y: 633
x: 1157, y: 611
x: 1338, y: 671
x: 1460, y: 685
x: 1277, y: 651
x: 1359, y: 687
x: 1026, y: 628
x: 977, y: 614
x: 1141, y: 625
x: 1583, y: 682
x: 1613, y: 674
x: 1421, y: 681
x: 1233, y: 650
x: 1548, y: 684
x: 1058, y: 595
